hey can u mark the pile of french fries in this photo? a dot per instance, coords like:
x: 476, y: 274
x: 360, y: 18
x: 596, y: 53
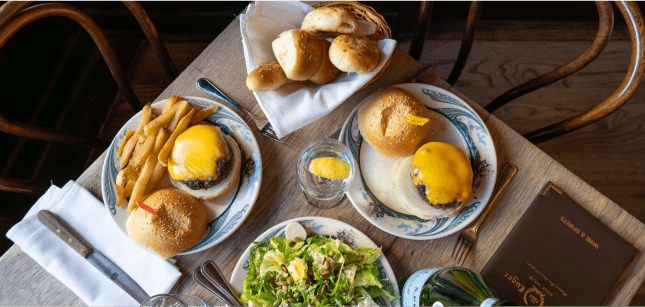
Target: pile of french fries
x: 144, y: 152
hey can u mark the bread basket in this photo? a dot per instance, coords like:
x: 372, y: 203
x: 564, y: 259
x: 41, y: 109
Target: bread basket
x: 367, y: 14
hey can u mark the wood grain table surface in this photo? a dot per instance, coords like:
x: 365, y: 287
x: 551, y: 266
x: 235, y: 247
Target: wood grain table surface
x: 24, y: 282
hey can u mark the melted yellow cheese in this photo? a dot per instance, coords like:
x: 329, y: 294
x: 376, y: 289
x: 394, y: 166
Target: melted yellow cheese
x: 416, y: 120
x: 444, y: 170
x: 196, y: 152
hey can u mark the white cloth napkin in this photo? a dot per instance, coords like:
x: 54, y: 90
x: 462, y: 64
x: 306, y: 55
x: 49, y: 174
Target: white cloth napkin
x: 295, y: 105
x: 89, y: 218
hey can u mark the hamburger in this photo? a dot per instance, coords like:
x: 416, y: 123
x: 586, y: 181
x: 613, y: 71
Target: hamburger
x: 204, y: 162
x: 437, y: 181
x: 394, y: 122
x: 181, y: 221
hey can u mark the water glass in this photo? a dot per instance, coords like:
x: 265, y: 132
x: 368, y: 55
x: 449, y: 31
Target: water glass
x: 173, y: 300
x: 318, y: 191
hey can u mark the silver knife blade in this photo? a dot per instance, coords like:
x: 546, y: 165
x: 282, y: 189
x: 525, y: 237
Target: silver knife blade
x: 116, y: 275
x: 62, y: 230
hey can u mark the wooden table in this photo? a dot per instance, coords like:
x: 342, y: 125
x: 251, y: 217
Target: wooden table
x: 23, y: 282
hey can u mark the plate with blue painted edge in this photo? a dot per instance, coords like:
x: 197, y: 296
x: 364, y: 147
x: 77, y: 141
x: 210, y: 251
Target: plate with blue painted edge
x: 454, y: 122
x: 325, y: 227
x: 225, y: 213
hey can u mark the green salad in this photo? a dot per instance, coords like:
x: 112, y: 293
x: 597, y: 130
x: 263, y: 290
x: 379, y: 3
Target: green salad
x: 318, y: 271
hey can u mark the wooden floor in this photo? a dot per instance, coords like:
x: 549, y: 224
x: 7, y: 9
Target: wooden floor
x: 609, y: 155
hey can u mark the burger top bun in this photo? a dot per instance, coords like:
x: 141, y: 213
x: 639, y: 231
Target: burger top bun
x: 382, y: 122
x: 181, y: 221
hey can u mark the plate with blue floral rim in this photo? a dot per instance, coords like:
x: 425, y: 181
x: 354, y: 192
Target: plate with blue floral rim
x: 325, y: 227
x: 453, y: 121
x: 225, y: 213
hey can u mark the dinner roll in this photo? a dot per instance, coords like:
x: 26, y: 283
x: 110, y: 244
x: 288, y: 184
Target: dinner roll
x: 267, y: 77
x: 382, y: 122
x: 364, y: 29
x: 352, y: 54
x: 330, y: 19
x: 327, y: 72
x: 300, y: 54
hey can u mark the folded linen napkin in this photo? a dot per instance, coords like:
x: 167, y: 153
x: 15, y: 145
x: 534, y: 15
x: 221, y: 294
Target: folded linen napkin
x: 295, y: 105
x: 89, y: 218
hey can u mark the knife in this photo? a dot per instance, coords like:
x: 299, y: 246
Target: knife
x: 103, y: 264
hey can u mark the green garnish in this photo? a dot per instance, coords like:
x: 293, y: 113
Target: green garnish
x: 319, y: 271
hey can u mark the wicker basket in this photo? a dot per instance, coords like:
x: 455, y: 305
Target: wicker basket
x: 368, y: 14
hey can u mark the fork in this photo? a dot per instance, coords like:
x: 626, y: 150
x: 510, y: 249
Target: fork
x: 468, y: 237
x: 262, y: 123
x: 210, y: 276
x: 199, y: 277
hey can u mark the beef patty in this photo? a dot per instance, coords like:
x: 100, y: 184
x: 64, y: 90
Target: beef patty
x: 223, y: 168
x: 422, y: 191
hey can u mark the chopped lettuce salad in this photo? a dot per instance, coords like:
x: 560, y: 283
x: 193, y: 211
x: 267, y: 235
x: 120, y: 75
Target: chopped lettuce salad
x: 318, y: 271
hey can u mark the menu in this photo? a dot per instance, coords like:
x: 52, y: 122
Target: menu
x: 558, y: 254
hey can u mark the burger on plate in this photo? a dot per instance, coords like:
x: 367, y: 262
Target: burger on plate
x: 180, y: 222
x: 204, y: 162
x: 436, y: 181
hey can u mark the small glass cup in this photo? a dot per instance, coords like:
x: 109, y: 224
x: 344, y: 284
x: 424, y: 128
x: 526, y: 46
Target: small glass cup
x: 321, y: 192
x: 173, y: 300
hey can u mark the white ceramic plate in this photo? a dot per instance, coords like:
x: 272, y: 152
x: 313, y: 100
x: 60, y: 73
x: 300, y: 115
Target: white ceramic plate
x: 226, y: 213
x: 325, y: 227
x: 453, y: 121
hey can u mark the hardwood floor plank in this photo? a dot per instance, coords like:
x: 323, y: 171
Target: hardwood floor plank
x: 505, y: 64
x: 522, y: 30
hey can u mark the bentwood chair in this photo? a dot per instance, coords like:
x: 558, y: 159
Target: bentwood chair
x: 626, y: 90
x: 15, y: 15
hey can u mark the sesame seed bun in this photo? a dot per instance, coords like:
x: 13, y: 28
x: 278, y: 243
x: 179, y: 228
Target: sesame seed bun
x: 181, y: 221
x: 381, y: 121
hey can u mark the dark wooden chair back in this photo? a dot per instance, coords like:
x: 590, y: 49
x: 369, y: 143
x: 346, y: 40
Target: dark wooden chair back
x: 15, y: 15
x: 636, y: 26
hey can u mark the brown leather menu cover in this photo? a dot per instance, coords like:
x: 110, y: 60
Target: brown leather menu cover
x: 558, y: 254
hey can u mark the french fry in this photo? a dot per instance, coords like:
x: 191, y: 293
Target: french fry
x: 182, y: 110
x: 159, y: 169
x: 161, y: 139
x: 127, y: 136
x: 126, y: 176
x: 146, y: 114
x: 121, y: 180
x: 202, y: 114
x: 128, y: 188
x: 140, y: 187
x: 165, y: 151
x: 137, y: 149
x: 158, y: 172
x: 170, y: 102
x: 131, y: 174
x: 120, y: 196
x: 141, y: 154
x: 159, y: 122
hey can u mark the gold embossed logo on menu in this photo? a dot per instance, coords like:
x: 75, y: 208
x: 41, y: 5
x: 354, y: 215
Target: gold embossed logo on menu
x: 575, y: 229
x: 537, y: 289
